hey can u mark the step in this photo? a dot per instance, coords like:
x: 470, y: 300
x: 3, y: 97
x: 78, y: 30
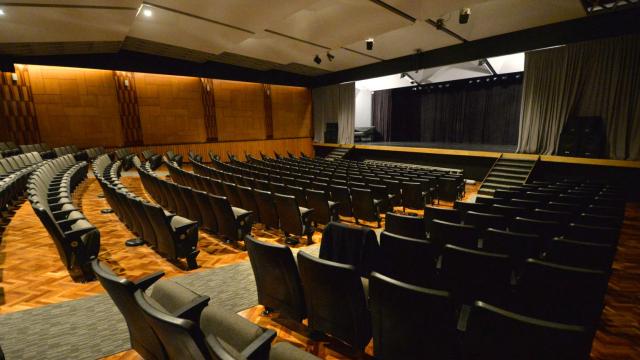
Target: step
x: 519, y: 176
x: 486, y: 192
x: 501, y: 180
x: 512, y: 169
x: 528, y: 164
x: 495, y: 186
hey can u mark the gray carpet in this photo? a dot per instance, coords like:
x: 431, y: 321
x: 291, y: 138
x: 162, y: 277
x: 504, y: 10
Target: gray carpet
x: 93, y: 327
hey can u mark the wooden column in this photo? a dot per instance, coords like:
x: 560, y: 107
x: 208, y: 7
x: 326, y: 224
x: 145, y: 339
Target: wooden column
x: 268, y: 111
x: 129, y: 111
x: 18, y: 119
x: 209, y: 105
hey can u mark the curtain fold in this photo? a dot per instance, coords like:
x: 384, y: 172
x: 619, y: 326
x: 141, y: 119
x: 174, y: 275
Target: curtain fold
x: 334, y: 104
x: 381, y: 111
x: 598, y: 78
x: 346, y: 113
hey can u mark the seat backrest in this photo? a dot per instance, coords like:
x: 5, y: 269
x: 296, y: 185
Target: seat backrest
x: 207, y: 212
x: 277, y: 279
x: 595, y: 234
x: 545, y: 229
x: 335, y: 300
x: 407, y: 259
x: 444, y: 232
x: 464, y: 206
x: 363, y: 206
x: 483, y: 221
x: 143, y: 340
x: 289, y: 214
x: 412, y: 196
x: 581, y: 254
x: 319, y: 201
x: 493, y: 333
x: 405, y: 225
x: 350, y: 244
x: 341, y: 195
x: 227, y: 225
x: 410, y: 322
x: 267, y: 211
x: 518, y: 246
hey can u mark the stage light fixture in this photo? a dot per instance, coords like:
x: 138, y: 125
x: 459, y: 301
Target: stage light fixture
x: 330, y: 56
x: 147, y: 12
x: 440, y: 24
x: 370, y: 44
x: 464, y: 15
x: 317, y: 59
x: 1, y: 12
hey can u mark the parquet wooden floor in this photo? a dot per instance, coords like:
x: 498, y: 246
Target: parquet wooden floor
x: 32, y: 274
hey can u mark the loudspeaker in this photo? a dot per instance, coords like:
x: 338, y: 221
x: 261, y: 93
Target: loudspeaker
x: 583, y: 137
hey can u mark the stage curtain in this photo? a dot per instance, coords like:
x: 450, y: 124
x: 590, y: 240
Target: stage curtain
x: 405, y: 112
x: 334, y: 104
x: 598, y: 78
x: 381, y: 113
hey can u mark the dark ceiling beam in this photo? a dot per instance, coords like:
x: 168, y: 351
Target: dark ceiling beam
x: 140, y: 62
x: 394, y: 10
x: 582, y: 29
x: 444, y: 29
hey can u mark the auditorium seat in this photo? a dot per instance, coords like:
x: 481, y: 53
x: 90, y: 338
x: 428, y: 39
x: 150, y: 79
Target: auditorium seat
x: 518, y: 246
x: 277, y: 279
x: 562, y: 293
x: 595, y: 234
x: 173, y: 157
x: 232, y: 194
x: 410, y: 322
x: 547, y: 230
x: 340, y: 195
x: 405, y: 225
x: 598, y: 220
x: 365, y: 207
x: 325, y: 210
x: 581, y: 254
x: 209, y: 221
x: 483, y: 221
x: 166, y: 292
x: 248, y: 201
x: 268, y: 214
x: 294, y: 220
x: 491, y: 333
x: 407, y: 259
x: 336, y: 300
x: 413, y: 195
x: 233, y: 223
x: 435, y: 213
x: 448, y: 189
x: 444, y: 232
x: 464, y: 206
x: 561, y: 217
x: 475, y: 275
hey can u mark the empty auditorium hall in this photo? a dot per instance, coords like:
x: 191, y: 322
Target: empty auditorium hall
x: 320, y: 179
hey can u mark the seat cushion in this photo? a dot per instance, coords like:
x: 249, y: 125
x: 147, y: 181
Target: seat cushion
x: 178, y: 221
x: 81, y: 225
x: 285, y: 351
x: 75, y: 215
x: 238, y: 211
x: 230, y: 328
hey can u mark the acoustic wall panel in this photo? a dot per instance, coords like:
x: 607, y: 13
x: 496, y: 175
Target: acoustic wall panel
x: 128, y: 103
x: 209, y: 105
x: 18, y: 120
x: 240, y: 110
x: 291, y: 107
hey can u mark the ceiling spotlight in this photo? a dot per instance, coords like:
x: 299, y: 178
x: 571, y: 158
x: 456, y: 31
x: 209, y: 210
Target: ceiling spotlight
x: 317, y: 59
x: 464, y: 15
x: 440, y: 24
x: 370, y: 44
x: 147, y: 12
x: 330, y: 56
x: 1, y: 12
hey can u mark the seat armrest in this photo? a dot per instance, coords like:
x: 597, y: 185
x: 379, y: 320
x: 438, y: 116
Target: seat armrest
x: 146, y: 281
x: 305, y: 214
x: 192, y: 309
x: 76, y: 234
x: 260, y: 347
x: 217, y: 348
x: 243, y: 217
x: 61, y: 215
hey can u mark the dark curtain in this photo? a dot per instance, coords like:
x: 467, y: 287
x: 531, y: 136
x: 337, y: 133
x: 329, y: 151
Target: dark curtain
x: 381, y: 113
x: 485, y: 112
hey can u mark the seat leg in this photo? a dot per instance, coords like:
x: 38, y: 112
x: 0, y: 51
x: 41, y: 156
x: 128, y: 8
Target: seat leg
x: 191, y: 260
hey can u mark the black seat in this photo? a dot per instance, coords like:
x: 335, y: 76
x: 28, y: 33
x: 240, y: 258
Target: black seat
x: 232, y: 194
x: 464, y: 206
x: 365, y: 207
x: 448, y: 189
x: 168, y: 293
x: 340, y: 194
x: 325, y: 210
x: 492, y: 333
x: 248, y: 201
x: 209, y: 221
x: 405, y: 225
x: 483, y: 221
x: 593, y: 234
x: 177, y: 158
x: 562, y: 293
x: 294, y: 220
x: 445, y: 232
x: 581, y: 254
x: 435, y: 213
x: 410, y: 322
x: 407, y: 259
x: 335, y: 299
x: 475, y: 275
x: 268, y: 214
x: 277, y: 279
x: 233, y: 223
x: 547, y: 230
x: 413, y: 195
x: 598, y: 220
x: 517, y: 245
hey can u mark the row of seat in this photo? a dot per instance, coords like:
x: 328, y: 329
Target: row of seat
x: 14, y: 173
x: 169, y: 321
x: 405, y: 321
x: 9, y: 148
x: 170, y: 235
x: 276, y: 209
x: 50, y: 191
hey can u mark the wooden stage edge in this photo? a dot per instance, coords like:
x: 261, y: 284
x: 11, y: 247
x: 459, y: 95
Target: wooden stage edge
x: 490, y: 154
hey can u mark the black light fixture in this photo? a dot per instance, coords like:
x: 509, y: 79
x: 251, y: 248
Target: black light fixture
x: 464, y: 15
x: 317, y: 59
x: 369, y: 44
x: 330, y: 56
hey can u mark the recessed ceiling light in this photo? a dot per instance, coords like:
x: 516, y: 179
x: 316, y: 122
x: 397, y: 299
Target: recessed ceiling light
x: 1, y: 12
x: 147, y: 12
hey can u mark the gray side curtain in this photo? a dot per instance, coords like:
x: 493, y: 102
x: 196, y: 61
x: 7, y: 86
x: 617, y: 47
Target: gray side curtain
x: 337, y: 104
x: 381, y: 113
x: 599, y: 78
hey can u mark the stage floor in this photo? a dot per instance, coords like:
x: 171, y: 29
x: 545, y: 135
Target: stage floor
x: 440, y: 145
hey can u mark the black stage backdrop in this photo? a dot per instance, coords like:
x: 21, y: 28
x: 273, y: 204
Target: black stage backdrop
x: 477, y: 111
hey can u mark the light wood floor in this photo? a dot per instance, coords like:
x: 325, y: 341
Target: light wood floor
x: 32, y: 274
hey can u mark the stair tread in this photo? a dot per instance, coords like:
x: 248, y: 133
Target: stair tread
x: 491, y: 178
x: 502, y: 173
x: 513, y: 163
x: 517, y: 170
x: 504, y: 186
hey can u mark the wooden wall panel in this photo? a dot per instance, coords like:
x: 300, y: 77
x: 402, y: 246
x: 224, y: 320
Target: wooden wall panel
x: 240, y: 111
x: 238, y: 148
x: 170, y: 109
x: 76, y: 106
x: 291, y: 107
x: 129, y: 112
x: 209, y: 105
x: 18, y: 120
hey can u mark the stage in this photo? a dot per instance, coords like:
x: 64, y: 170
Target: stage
x: 440, y: 145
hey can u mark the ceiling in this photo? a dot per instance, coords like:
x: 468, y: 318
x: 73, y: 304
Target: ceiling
x: 263, y: 35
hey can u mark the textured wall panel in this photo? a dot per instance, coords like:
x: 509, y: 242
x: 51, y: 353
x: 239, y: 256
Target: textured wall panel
x: 18, y: 120
x: 76, y: 106
x: 239, y: 110
x: 170, y: 109
x: 128, y: 103
x: 209, y: 105
x: 291, y: 109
